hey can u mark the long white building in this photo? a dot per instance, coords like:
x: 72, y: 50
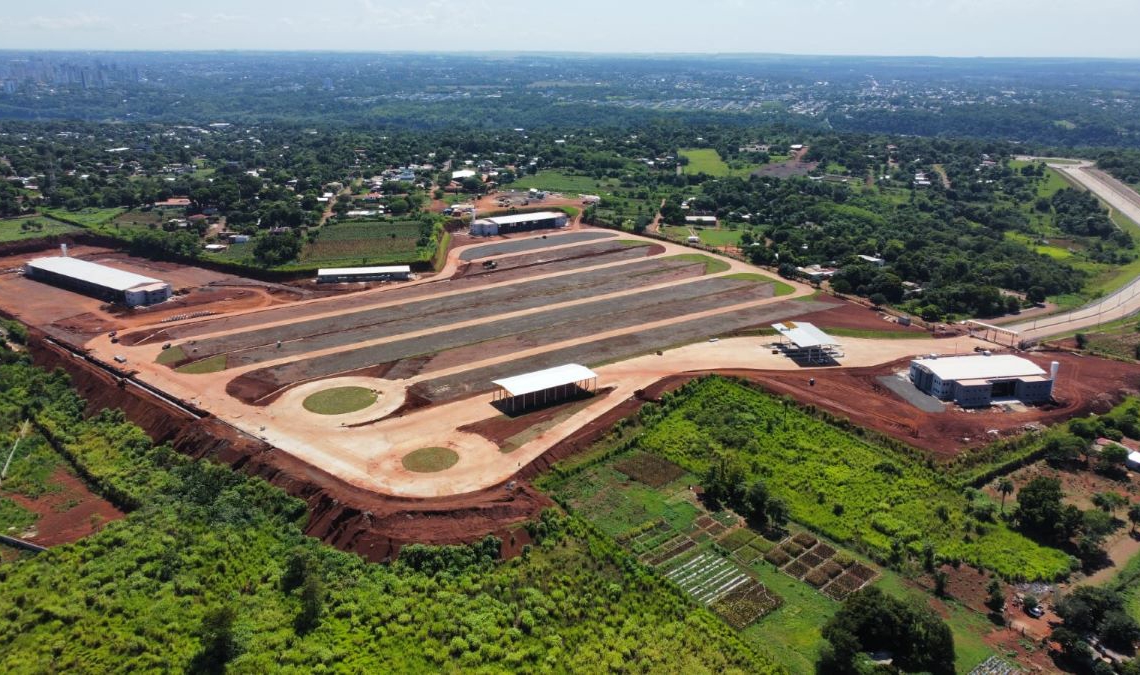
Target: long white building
x: 519, y: 222
x: 100, y: 281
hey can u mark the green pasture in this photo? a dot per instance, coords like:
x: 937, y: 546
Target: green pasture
x: 31, y: 227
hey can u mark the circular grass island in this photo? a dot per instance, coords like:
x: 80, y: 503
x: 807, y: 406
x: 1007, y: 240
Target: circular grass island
x: 339, y: 400
x: 430, y: 460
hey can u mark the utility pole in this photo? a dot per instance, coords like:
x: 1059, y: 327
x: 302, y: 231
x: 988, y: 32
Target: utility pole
x: 23, y: 432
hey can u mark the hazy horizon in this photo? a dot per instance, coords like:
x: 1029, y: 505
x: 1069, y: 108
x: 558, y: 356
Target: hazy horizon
x: 837, y: 28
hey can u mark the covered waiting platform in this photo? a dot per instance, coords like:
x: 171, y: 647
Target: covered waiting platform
x: 804, y: 340
x: 545, y: 386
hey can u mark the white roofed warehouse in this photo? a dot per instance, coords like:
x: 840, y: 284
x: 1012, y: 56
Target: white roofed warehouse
x: 974, y: 381
x: 519, y: 222
x: 348, y: 274
x: 544, y: 387
x: 100, y: 281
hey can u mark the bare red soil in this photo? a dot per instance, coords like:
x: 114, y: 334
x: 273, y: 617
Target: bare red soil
x: 851, y: 316
x: 67, y: 515
x: 372, y: 525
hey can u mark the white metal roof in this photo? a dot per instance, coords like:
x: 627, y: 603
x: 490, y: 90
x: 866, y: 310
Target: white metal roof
x: 462, y: 173
x: 529, y: 383
x: 981, y: 367
x: 804, y: 335
x: 1134, y: 457
x: 525, y: 217
x: 341, y: 271
x: 107, y: 277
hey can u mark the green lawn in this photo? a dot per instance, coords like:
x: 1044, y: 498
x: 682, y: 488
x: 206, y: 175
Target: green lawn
x: 90, y: 218
x: 567, y: 184
x: 792, y: 632
x: 32, y: 228
x: 969, y: 627
x: 170, y: 356
x: 13, y: 517
x: 339, y: 400
x: 366, y: 242
x: 781, y: 287
x: 617, y: 505
x: 712, y: 265
x: 214, y: 364
x: 708, y: 161
x: 430, y: 460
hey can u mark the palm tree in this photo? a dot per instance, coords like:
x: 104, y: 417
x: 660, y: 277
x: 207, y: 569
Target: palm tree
x: 1005, y: 487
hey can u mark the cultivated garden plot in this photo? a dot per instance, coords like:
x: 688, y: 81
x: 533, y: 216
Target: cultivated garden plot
x: 747, y: 604
x: 652, y: 470
x: 819, y: 565
x: 705, y: 576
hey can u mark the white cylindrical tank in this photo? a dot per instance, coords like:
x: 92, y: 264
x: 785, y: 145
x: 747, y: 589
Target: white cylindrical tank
x: 63, y: 250
x: 1053, y: 368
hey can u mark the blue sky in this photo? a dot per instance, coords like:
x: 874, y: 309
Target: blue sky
x: 887, y: 27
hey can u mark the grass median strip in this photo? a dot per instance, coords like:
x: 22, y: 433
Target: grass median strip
x: 712, y: 265
x: 430, y: 460
x: 214, y: 364
x: 339, y: 400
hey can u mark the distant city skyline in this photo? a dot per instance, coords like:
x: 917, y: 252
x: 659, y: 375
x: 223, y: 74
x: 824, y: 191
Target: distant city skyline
x: 953, y: 28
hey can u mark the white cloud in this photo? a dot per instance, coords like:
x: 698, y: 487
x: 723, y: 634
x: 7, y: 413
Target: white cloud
x: 65, y: 22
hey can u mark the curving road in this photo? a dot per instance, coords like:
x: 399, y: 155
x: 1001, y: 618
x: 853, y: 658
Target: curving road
x: 1120, y: 304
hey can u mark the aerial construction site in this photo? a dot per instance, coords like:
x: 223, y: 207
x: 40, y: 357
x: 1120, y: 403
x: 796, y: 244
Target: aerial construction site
x: 417, y: 411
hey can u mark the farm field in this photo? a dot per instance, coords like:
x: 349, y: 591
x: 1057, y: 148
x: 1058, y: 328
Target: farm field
x: 874, y: 498
x: 644, y: 503
x: 569, y: 185
x: 709, y: 236
x: 32, y: 227
x: 91, y: 218
x: 708, y: 161
x: 367, y: 243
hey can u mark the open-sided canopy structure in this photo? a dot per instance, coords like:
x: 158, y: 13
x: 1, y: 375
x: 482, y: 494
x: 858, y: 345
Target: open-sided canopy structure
x: 804, y: 335
x: 543, y: 386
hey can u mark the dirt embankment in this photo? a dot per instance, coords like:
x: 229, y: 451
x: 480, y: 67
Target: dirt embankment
x: 102, y: 390
x: 349, y: 518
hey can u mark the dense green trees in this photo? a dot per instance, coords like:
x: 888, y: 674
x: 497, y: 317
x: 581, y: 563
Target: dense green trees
x: 1095, y: 611
x: 870, y: 622
x: 211, y: 568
